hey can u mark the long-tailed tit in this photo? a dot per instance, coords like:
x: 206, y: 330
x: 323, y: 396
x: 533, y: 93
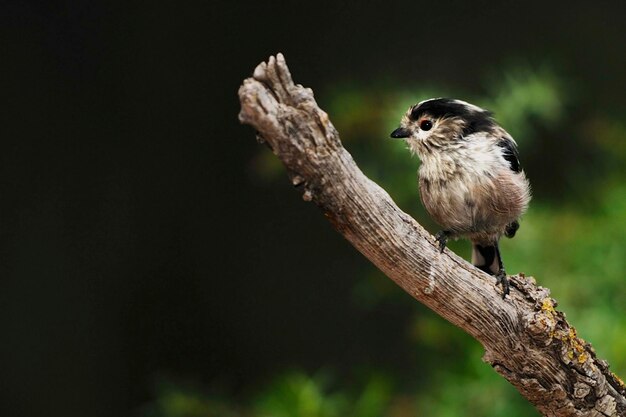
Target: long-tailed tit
x: 470, y: 178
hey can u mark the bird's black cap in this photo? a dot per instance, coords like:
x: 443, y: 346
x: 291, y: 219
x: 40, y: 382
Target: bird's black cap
x: 477, y: 119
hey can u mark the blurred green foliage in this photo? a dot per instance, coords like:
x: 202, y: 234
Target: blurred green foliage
x: 573, y: 240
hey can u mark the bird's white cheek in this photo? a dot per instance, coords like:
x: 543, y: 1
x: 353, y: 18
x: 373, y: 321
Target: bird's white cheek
x: 421, y: 135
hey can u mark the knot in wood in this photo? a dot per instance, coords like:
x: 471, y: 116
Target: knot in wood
x: 581, y: 390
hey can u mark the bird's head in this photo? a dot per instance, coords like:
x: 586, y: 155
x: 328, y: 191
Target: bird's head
x: 439, y: 122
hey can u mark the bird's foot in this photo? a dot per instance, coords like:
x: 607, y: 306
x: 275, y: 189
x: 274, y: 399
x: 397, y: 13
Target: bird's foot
x: 442, y: 238
x: 501, y: 278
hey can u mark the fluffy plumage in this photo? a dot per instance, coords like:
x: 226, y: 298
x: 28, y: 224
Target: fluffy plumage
x: 470, y: 177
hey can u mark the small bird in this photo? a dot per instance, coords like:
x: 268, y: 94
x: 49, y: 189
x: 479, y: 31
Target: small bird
x: 470, y: 178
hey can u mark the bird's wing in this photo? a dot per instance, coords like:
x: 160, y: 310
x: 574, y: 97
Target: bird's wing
x: 510, y: 153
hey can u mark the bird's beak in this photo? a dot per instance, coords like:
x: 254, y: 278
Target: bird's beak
x: 401, y: 132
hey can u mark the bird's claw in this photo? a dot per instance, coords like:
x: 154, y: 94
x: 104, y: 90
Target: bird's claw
x: 442, y: 238
x: 501, y: 278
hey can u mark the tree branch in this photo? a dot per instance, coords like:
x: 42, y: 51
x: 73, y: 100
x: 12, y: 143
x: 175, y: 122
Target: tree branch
x: 526, y: 340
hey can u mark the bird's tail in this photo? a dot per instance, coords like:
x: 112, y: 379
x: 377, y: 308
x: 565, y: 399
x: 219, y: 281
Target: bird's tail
x: 486, y: 258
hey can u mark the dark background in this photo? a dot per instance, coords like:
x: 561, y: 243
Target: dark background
x: 135, y: 238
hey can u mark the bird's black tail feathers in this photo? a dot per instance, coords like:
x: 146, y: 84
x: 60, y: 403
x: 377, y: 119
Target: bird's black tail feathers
x: 511, y: 229
x: 486, y: 258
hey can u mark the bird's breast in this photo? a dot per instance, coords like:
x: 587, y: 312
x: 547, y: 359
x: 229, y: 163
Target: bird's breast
x: 469, y: 202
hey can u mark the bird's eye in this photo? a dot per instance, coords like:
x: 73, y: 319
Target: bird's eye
x: 426, y: 125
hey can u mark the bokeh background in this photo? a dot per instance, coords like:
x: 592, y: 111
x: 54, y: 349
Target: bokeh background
x: 156, y: 262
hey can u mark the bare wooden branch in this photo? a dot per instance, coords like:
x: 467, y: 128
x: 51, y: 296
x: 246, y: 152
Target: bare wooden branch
x: 525, y: 339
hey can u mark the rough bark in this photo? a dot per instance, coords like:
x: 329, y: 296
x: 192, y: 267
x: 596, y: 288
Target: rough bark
x: 526, y: 340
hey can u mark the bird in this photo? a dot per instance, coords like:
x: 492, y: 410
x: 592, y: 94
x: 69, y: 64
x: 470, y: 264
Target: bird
x: 471, y: 181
